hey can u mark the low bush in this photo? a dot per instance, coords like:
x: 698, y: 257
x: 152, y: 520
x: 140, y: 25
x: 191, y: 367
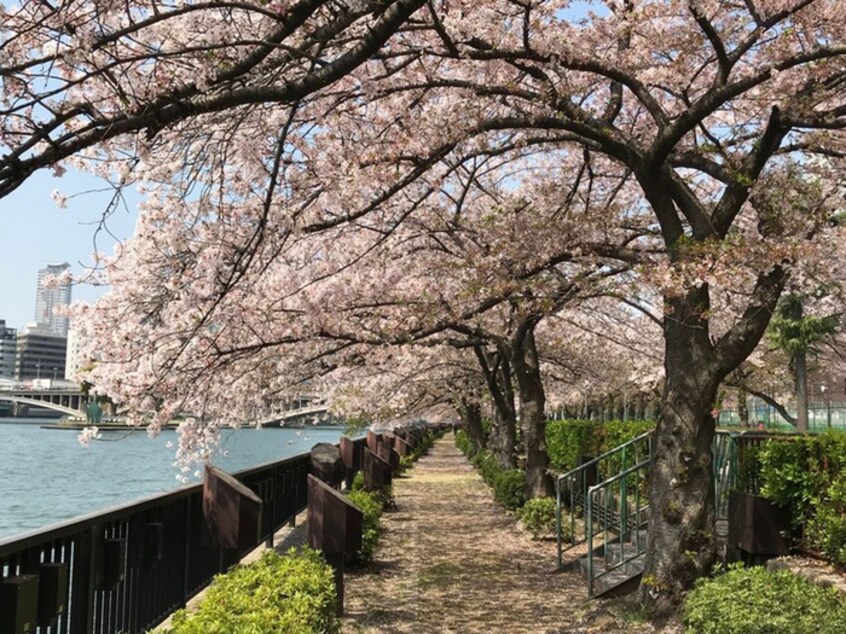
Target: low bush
x: 509, y: 488
x: 371, y: 506
x: 487, y: 465
x: 423, y: 446
x: 358, y: 482
x: 463, y: 442
x: 566, y: 440
x: 538, y: 516
x: 508, y: 485
x: 755, y: 601
x: 807, y: 474
x: 288, y: 594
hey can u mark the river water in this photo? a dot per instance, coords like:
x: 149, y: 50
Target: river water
x: 46, y: 476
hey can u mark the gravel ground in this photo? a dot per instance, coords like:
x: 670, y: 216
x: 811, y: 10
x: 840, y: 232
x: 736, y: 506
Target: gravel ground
x: 450, y: 560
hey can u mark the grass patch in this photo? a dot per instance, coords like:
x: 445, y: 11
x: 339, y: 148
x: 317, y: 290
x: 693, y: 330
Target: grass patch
x: 438, y: 575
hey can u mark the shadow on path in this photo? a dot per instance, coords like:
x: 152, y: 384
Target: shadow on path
x: 450, y: 560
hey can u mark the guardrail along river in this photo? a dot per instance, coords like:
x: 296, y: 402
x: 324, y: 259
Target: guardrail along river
x: 46, y: 476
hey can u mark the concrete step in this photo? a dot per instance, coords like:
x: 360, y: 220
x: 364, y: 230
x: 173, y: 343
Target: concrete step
x: 611, y: 558
x: 622, y: 581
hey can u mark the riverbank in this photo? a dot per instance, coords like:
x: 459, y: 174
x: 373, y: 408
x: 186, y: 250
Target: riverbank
x: 49, y: 477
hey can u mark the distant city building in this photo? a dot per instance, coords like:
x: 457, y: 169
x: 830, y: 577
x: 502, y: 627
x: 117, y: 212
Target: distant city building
x: 48, y: 298
x: 8, y: 351
x: 73, y: 361
x: 41, y: 354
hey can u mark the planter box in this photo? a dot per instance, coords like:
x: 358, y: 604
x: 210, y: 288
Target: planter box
x: 757, y: 525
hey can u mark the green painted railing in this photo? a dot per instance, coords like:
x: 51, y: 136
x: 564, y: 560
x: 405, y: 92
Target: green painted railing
x: 611, y: 497
x: 614, y: 507
x: 572, y: 488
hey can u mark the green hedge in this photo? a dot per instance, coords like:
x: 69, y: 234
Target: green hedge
x: 463, y: 442
x: 755, y: 601
x: 566, y: 440
x: 538, y: 515
x: 279, y: 594
x: 509, y: 486
x: 370, y: 503
x: 807, y: 474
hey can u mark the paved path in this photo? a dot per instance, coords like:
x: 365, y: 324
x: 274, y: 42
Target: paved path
x: 451, y: 561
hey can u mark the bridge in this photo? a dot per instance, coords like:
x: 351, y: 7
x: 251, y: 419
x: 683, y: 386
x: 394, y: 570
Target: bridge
x: 67, y: 400
x: 301, y: 411
x: 71, y: 401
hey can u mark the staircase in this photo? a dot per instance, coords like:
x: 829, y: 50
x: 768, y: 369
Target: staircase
x: 602, y: 503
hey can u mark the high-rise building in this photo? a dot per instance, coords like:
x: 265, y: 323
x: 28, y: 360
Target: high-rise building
x: 48, y: 298
x: 41, y: 354
x: 73, y: 358
x: 8, y: 351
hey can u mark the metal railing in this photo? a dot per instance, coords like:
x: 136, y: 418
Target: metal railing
x: 127, y: 568
x: 614, y: 508
x: 576, y: 483
x: 736, y: 465
x: 621, y: 541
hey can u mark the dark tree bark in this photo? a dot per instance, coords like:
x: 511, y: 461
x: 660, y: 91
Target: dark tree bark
x: 680, y: 542
x: 681, y: 539
x: 532, y: 419
x: 471, y: 419
x: 742, y: 408
x: 503, y: 434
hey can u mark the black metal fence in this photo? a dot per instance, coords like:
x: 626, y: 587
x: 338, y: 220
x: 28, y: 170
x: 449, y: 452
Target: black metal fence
x: 126, y: 569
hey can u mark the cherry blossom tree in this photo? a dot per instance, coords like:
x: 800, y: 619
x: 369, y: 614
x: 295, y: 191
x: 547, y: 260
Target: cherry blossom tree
x: 281, y: 144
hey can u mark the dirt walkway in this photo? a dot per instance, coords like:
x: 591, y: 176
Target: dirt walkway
x: 451, y: 561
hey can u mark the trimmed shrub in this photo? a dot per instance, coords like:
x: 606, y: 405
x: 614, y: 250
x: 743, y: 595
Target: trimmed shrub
x: 755, y: 601
x: 358, y: 482
x: 566, y: 440
x: 807, y: 474
x: 487, y: 465
x: 786, y: 476
x: 462, y: 441
x: 509, y: 488
x: 370, y: 504
x: 405, y: 463
x: 538, y: 515
x: 290, y: 594
x: 423, y: 446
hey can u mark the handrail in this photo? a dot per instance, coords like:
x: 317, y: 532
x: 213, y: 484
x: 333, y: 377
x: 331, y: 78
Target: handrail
x: 608, y: 511
x: 624, y: 512
x: 128, y: 567
x: 571, y: 477
x: 607, y: 454
x: 620, y: 475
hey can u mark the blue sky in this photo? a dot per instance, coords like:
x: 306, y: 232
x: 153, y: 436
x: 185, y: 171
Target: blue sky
x: 35, y: 232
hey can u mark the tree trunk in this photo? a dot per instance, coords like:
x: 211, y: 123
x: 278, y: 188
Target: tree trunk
x: 680, y: 541
x: 640, y: 411
x: 742, y: 408
x: 497, y: 371
x: 800, y: 375
x: 506, y: 419
x: 532, y: 420
x: 471, y: 417
x: 801, y: 382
